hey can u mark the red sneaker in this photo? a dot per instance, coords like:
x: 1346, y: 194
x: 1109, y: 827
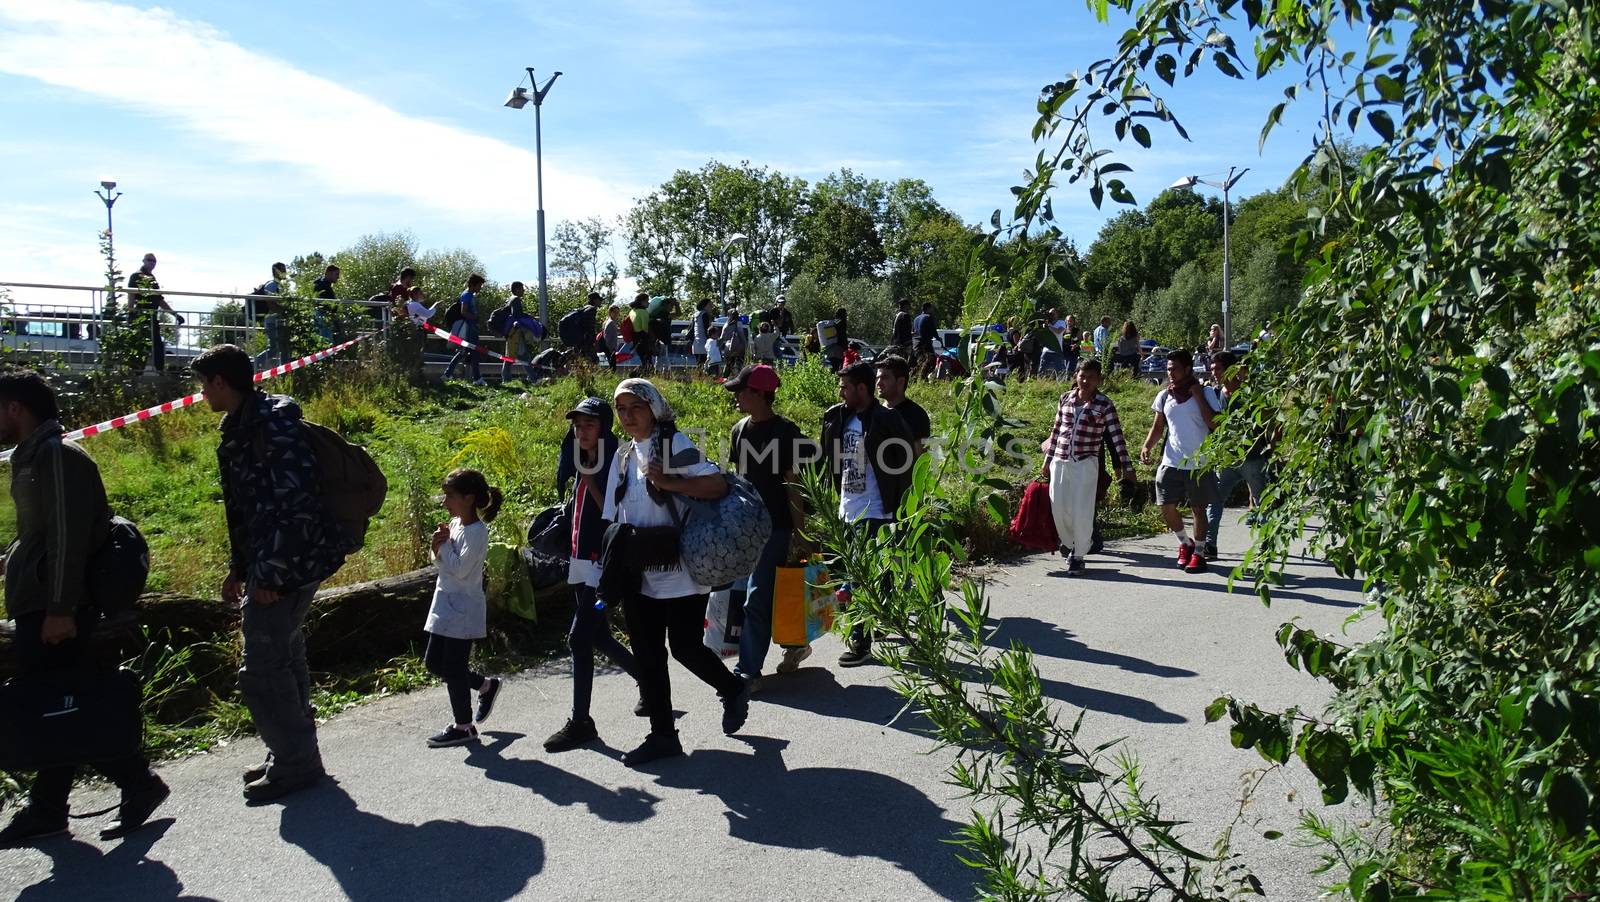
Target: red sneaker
x: 1185, y: 552
x: 1197, y: 562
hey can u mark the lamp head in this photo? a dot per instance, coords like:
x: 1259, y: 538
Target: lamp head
x: 518, y: 98
x: 107, y: 184
x: 1187, y: 181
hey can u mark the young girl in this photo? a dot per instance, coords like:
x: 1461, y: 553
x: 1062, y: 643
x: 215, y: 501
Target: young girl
x: 458, y: 613
x: 713, y: 365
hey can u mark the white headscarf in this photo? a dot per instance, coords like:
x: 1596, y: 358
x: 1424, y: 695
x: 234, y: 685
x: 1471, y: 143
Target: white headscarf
x: 646, y: 391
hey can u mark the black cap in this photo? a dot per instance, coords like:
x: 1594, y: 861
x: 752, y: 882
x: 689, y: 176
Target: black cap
x: 590, y: 407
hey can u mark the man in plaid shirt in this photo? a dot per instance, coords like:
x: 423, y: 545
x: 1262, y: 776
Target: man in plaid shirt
x: 1085, y: 420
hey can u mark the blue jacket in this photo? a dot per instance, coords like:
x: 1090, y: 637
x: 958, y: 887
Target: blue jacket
x: 280, y: 536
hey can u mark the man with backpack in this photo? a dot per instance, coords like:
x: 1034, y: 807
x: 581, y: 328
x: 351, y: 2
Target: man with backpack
x: 284, y: 543
x: 577, y: 329
x: 463, y: 319
x: 265, y: 309
x: 62, y: 521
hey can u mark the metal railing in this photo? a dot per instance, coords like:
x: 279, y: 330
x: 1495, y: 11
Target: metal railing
x: 66, y: 329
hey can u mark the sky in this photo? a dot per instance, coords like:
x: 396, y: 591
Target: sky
x: 241, y: 133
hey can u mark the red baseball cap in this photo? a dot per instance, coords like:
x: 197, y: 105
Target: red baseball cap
x: 759, y: 377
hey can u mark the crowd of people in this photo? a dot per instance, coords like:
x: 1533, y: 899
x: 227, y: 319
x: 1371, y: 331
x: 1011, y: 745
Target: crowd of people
x: 625, y: 499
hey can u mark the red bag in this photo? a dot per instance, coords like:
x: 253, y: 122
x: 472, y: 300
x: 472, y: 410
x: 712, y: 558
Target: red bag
x: 1034, y: 526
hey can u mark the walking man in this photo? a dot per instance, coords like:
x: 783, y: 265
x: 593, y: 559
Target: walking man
x: 282, y: 546
x: 1184, y: 411
x: 269, y: 312
x: 900, y: 334
x: 468, y: 331
x: 1252, y: 471
x: 1086, y: 421
x: 767, y: 449
x: 926, y: 328
x: 894, y: 376
x: 146, y: 301
x: 869, y: 452
x: 322, y: 289
x: 62, y: 519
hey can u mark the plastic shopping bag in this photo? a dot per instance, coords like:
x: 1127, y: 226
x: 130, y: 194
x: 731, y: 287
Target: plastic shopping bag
x: 1034, y: 525
x: 725, y: 620
x: 802, y: 605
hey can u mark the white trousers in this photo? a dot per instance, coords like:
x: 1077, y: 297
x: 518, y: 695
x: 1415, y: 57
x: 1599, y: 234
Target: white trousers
x: 1072, y: 491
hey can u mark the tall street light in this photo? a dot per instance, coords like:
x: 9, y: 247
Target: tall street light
x: 1189, y: 181
x: 727, y: 248
x: 111, y: 251
x: 519, y: 98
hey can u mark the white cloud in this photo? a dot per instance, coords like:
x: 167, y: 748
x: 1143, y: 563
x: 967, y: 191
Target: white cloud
x: 267, y: 112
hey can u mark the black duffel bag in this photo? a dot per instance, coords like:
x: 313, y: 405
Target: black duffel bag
x: 69, y: 717
x: 549, y: 546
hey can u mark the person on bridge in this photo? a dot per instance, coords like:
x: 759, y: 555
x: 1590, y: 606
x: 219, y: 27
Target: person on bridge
x: 62, y: 519
x: 870, y: 451
x: 145, y: 302
x: 1086, y: 421
x: 282, y: 545
x: 459, y: 613
x: 467, y: 330
x: 587, y: 455
x: 1184, y: 415
x: 662, y: 604
x: 325, y: 314
x: 268, y: 311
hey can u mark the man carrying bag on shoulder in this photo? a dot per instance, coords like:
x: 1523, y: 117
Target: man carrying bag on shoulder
x: 62, y: 519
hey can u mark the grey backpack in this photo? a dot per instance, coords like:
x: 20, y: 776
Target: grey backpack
x: 720, y: 541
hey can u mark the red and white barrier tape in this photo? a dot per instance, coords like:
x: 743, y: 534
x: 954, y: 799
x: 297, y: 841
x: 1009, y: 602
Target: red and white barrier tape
x: 187, y: 400
x: 458, y: 340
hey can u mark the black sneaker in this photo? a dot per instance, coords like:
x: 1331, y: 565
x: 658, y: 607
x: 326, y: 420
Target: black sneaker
x: 451, y: 736
x: 572, y: 734
x: 486, y: 697
x: 1211, y: 551
x: 136, y: 808
x: 640, y: 709
x: 655, y: 747
x: 858, y: 654
x: 1076, y: 566
x: 270, y: 789
x: 31, y: 825
x: 736, y: 708
x: 1096, y: 543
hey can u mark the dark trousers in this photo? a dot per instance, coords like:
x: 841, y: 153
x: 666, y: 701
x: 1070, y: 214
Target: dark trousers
x: 447, y: 658
x: 858, y: 635
x: 276, y: 684
x: 590, y: 633
x: 53, y: 785
x: 654, y: 624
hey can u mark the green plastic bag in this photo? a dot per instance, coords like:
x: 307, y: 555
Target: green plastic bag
x: 509, y: 586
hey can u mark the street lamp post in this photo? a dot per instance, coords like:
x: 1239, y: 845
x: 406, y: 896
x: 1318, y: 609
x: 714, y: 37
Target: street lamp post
x: 111, y: 249
x: 726, y: 271
x: 1189, y: 181
x: 519, y: 98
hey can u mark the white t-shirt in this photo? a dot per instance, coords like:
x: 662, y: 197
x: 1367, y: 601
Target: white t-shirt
x: 1186, y: 427
x: 858, y: 488
x: 638, y: 509
x: 420, y: 314
x: 713, y: 352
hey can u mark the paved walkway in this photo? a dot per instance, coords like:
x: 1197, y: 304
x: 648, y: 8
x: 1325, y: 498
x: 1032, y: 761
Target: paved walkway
x: 824, y: 796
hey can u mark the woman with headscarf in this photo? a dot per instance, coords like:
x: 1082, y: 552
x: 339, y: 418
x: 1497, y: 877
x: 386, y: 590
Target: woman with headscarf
x: 661, y: 604
x: 586, y: 456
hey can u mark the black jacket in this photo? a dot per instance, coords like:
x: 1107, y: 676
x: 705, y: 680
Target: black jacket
x: 891, y: 460
x: 582, y: 507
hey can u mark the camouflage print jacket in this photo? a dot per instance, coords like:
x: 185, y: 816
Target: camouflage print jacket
x: 280, y: 535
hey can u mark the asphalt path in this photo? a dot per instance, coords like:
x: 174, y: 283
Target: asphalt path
x: 826, y: 794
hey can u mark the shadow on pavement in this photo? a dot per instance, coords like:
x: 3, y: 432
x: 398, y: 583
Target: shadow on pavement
x: 1108, y: 702
x: 1100, y: 571
x: 1056, y: 641
x: 853, y: 813
x: 80, y: 871
x: 626, y: 805
x: 817, y: 690
x: 377, y: 859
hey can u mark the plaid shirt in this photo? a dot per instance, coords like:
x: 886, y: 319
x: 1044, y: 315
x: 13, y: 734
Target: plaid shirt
x: 1070, y: 440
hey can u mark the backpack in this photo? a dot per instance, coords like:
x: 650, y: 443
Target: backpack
x: 351, y: 486
x: 574, y: 327
x: 452, y: 314
x: 499, y: 318
x: 118, y: 571
x: 549, y: 546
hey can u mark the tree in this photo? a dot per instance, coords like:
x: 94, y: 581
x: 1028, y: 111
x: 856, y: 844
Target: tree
x: 839, y: 236
x: 582, y: 252
x: 1434, y: 405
